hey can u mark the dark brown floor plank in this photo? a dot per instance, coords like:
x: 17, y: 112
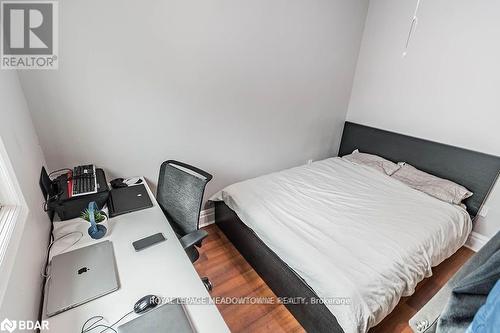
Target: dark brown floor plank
x: 232, y: 276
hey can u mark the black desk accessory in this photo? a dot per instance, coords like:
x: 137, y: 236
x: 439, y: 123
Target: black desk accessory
x: 121, y: 182
x: 58, y: 200
x: 118, y: 183
x: 128, y: 199
x: 146, y: 242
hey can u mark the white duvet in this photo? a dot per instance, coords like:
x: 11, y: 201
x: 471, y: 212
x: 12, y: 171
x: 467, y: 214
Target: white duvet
x: 350, y: 232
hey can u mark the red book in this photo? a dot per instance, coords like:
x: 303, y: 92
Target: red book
x: 70, y: 184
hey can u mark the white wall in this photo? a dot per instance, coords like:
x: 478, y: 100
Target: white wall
x: 239, y: 88
x: 446, y: 89
x: 22, y: 297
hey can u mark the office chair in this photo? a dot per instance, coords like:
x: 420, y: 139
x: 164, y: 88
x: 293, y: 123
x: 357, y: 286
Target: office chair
x: 180, y: 195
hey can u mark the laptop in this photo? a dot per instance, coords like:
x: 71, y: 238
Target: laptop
x: 167, y: 318
x: 79, y: 276
x: 128, y: 199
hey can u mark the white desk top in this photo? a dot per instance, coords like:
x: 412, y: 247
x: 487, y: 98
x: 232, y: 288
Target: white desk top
x: 163, y: 270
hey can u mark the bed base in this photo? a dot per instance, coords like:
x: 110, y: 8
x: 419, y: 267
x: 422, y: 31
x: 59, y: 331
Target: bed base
x: 282, y: 280
x: 476, y: 171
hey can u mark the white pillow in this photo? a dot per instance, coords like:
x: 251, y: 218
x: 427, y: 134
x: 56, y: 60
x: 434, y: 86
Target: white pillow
x: 373, y: 161
x: 440, y: 188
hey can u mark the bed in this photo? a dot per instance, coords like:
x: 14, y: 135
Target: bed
x: 348, y: 240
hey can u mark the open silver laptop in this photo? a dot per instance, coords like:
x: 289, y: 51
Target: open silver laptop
x: 80, y: 276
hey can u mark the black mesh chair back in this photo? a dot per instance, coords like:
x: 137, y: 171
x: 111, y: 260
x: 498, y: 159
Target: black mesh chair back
x: 180, y: 194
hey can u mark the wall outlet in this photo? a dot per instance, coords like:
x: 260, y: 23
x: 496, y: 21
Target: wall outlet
x: 484, y: 211
x: 309, y: 162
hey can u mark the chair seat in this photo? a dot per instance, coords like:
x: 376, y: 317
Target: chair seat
x: 192, y: 253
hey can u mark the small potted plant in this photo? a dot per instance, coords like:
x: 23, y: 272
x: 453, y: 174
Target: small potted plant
x: 99, y: 215
x: 96, y: 218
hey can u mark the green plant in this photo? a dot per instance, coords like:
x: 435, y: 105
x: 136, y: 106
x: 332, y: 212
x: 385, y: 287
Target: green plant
x: 99, y: 215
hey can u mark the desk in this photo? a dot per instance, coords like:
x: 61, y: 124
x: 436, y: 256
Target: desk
x: 163, y: 270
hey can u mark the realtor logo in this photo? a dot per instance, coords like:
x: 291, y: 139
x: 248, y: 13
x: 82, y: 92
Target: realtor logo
x: 29, y: 35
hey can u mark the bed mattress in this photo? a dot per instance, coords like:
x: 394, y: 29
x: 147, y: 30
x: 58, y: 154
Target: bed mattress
x: 360, y: 239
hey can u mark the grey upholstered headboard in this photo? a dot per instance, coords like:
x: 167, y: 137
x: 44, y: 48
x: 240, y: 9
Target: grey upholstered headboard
x: 474, y: 170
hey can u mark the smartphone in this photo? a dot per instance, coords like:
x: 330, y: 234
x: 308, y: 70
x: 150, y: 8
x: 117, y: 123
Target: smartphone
x: 143, y: 243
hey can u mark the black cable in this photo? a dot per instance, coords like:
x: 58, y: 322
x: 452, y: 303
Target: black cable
x: 69, y: 177
x: 44, y: 280
x: 50, y: 198
x: 61, y: 192
x: 95, y: 324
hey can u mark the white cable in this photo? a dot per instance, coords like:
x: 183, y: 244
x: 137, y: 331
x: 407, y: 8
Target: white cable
x: 413, y: 26
x: 44, y: 273
x: 64, y: 236
x: 416, y: 9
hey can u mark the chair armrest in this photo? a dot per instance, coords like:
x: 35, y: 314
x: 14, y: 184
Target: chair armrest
x: 425, y: 320
x: 193, y: 238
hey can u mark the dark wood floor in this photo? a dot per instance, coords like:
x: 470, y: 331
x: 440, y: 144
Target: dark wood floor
x: 232, y: 276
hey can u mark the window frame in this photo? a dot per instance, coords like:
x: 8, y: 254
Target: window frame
x: 13, y: 213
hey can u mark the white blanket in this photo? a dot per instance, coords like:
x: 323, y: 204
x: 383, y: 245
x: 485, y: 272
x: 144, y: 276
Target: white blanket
x: 351, y: 232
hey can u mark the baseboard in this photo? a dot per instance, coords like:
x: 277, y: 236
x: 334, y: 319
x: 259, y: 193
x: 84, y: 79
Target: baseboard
x: 476, y: 241
x: 207, y: 217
